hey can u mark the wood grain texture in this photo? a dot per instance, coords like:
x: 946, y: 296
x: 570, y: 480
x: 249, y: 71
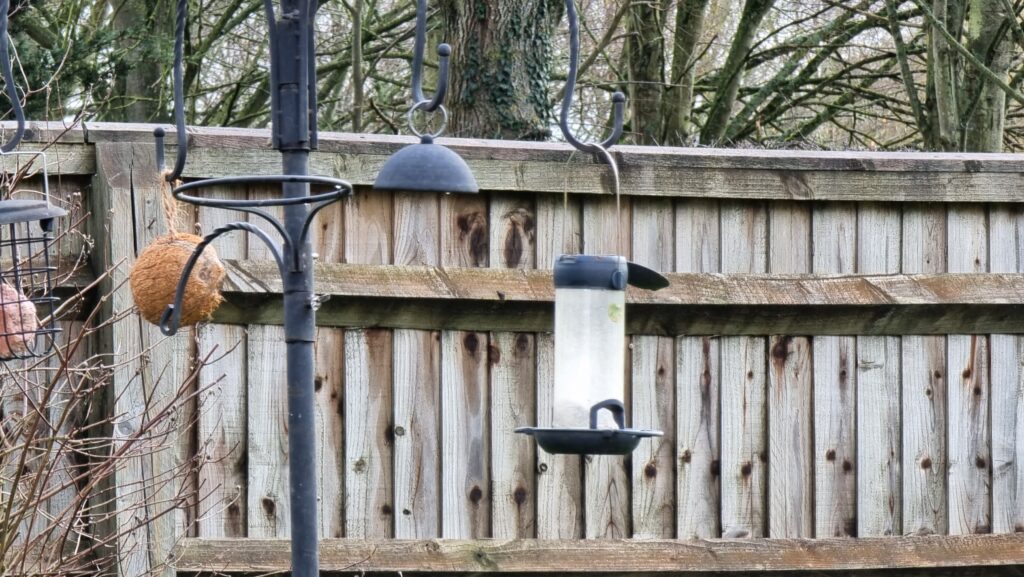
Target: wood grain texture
x: 924, y: 386
x: 267, y: 425
x: 559, y: 477
x: 835, y: 386
x: 606, y: 480
x: 368, y: 467
x: 465, y: 403
x: 790, y: 385
x: 654, y: 385
x: 968, y: 440
x: 328, y: 382
x: 513, y: 380
x: 879, y: 507
x: 222, y: 434
x: 698, y: 373
x: 368, y: 388
x: 743, y: 410
x: 638, y: 556
x: 417, y: 379
x: 1006, y: 224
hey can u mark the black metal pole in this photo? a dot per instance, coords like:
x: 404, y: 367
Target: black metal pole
x: 293, y: 126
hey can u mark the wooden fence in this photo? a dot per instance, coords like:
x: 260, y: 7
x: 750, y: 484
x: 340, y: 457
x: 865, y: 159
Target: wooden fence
x: 837, y: 357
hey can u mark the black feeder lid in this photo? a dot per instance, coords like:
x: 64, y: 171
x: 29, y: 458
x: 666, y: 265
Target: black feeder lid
x: 426, y: 167
x: 19, y: 210
x: 592, y: 441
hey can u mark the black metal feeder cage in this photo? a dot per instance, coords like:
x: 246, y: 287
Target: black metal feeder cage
x: 27, y: 304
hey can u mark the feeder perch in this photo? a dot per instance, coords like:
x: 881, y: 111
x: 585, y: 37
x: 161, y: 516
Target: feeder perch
x: 590, y: 358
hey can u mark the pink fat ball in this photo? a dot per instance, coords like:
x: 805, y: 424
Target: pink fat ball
x: 18, y: 323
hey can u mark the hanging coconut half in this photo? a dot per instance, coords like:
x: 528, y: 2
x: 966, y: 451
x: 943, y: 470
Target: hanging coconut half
x: 154, y: 278
x: 18, y: 322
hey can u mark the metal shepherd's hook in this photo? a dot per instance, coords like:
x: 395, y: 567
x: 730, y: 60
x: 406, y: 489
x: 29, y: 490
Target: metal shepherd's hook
x: 444, y: 51
x: 179, y: 100
x: 8, y: 74
x: 618, y: 99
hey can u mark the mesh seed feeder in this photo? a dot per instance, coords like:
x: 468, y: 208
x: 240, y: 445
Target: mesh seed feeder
x: 26, y: 277
x: 590, y: 359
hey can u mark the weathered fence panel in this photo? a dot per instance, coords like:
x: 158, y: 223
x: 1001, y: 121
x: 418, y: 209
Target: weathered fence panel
x: 838, y: 357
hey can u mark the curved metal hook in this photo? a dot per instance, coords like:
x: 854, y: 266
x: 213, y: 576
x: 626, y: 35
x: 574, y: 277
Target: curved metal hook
x: 8, y: 74
x: 179, y: 99
x: 444, y: 51
x: 618, y: 99
x: 170, y: 321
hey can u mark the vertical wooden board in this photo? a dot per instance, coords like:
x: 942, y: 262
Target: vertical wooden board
x: 744, y: 454
x: 465, y: 406
x: 559, y: 480
x: 697, y: 384
x: 879, y: 510
x: 606, y: 230
x: 790, y: 413
x: 835, y: 385
x: 653, y: 384
x: 924, y: 385
x: 267, y: 422
x: 222, y: 403
x: 559, y: 227
x: 513, y: 461
x: 1005, y: 238
x: 559, y: 477
x: 417, y: 377
x: 968, y: 394
x: 330, y: 407
x: 368, y: 465
x: 513, y: 379
x: 368, y: 388
x: 166, y: 369
x: 113, y: 206
x: 268, y: 507
x: 654, y: 482
x: 466, y: 483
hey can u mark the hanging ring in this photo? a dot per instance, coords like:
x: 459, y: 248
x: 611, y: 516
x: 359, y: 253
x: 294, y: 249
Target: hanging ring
x: 425, y: 105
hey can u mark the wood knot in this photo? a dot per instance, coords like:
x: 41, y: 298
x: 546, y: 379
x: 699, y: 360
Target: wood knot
x: 385, y: 509
x: 359, y: 466
x: 475, y: 494
x: 830, y: 455
x: 651, y: 471
x: 980, y: 462
x: 269, y: 507
x: 926, y: 463
x: 746, y: 469
x: 716, y: 468
x: 847, y: 466
x: 519, y: 495
x: 471, y: 342
x: 686, y: 456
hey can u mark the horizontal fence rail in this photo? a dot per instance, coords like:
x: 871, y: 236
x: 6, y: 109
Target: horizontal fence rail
x: 838, y: 355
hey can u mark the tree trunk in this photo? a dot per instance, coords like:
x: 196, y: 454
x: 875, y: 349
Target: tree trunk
x: 500, y: 67
x: 645, y: 53
x: 678, y: 97
x: 731, y: 74
x: 988, y: 38
x: 942, y: 68
x: 146, y: 29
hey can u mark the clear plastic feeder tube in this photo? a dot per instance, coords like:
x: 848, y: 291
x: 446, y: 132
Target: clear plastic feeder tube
x: 590, y: 332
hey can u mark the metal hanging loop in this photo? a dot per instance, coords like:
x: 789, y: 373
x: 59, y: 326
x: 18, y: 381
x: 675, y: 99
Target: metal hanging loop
x: 8, y: 74
x: 444, y: 51
x: 618, y: 99
x: 179, y: 99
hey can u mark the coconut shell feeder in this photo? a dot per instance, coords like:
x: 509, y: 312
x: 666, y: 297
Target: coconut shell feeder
x: 154, y: 279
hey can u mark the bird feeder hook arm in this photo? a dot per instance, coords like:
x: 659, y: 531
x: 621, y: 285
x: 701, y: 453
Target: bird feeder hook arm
x: 170, y: 321
x: 8, y: 74
x: 618, y: 99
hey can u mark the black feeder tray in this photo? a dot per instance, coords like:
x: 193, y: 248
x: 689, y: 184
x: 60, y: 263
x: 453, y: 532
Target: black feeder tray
x: 592, y: 441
